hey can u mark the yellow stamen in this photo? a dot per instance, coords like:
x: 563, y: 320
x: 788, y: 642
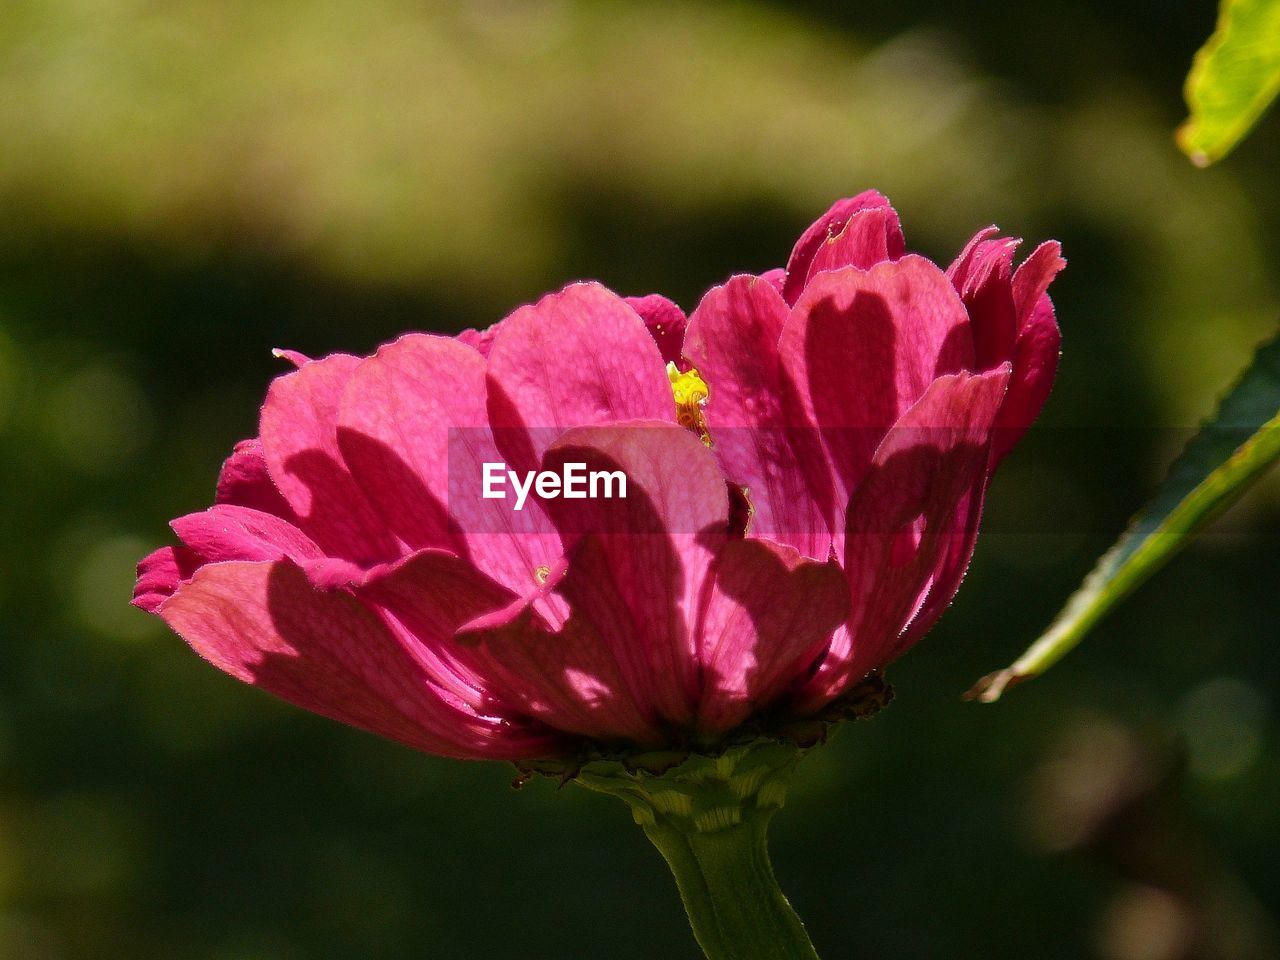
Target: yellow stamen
x: 541, y: 574
x: 690, y: 392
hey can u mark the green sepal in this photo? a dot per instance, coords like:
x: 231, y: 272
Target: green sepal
x: 866, y: 699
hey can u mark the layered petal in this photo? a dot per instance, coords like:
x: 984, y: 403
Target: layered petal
x: 414, y: 432
x: 665, y: 322
x: 227, y: 532
x: 870, y: 237
x: 769, y: 616
x: 776, y: 278
x: 397, y: 412
x: 265, y: 624
x: 860, y: 347
x: 1012, y: 320
x: 1035, y: 358
x: 299, y: 431
x: 1032, y: 279
x: 983, y: 276
x: 1035, y: 363
x: 638, y: 564
x: 911, y: 522
x: 223, y: 532
x: 568, y: 678
x: 480, y: 340
x: 759, y: 438
x: 575, y: 358
x: 160, y: 573
x: 245, y: 482
x: 832, y: 224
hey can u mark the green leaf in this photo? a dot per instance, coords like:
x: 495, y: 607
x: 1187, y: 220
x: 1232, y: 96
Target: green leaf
x: 1232, y: 80
x: 1218, y: 465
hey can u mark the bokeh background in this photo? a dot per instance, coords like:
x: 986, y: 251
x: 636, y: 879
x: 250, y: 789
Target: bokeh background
x: 185, y: 185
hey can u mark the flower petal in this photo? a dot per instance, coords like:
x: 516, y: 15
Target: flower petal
x: 861, y: 348
x: 1036, y: 352
x: 227, y: 532
x: 480, y: 340
x: 983, y: 276
x: 245, y: 481
x: 831, y: 224
x: 577, y: 357
x: 265, y: 624
x: 398, y: 410
x: 639, y: 563
x: 911, y: 523
x: 1033, y: 277
x: 291, y: 356
x: 300, y: 445
x: 776, y: 278
x: 567, y: 679
x: 867, y: 239
x: 160, y: 573
x: 771, y: 613
x: 414, y: 432
x: 665, y: 322
x: 758, y: 438
x: 1035, y: 363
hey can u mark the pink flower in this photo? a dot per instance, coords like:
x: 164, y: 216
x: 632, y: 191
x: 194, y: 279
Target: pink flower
x: 805, y: 457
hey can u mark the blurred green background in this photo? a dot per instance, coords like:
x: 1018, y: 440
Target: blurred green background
x: 185, y: 185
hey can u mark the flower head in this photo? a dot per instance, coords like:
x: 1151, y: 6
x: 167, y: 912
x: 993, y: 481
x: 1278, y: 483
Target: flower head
x: 805, y: 459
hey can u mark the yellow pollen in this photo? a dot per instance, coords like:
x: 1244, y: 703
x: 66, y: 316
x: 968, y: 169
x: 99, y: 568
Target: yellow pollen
x: 690, y: 392
x: 542, y: 573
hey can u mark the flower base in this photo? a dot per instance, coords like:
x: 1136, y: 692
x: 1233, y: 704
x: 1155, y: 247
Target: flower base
x: 707, y: 808
x: 709, y: 818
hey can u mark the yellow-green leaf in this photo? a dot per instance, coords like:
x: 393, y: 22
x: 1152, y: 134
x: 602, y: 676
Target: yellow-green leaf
x: 1218, y: 465
x: 1232, y: 80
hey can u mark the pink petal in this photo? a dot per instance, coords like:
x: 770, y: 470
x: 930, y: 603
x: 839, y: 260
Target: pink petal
x: 293, y: 356
x: 949, y: 568
x: 300, y: 445
x: 161, y: 573
x: 665, y: 322
x: 568, y: 679
x: 639, y: 564
x: 861, y: 348
x: 577, y: 357
x: 770, y: 615
x: 776, y: 278
x: 414, y: 432
x: 830, y: 224
x: 733, y: 341
x: 867, y: 239
x: 1036, y: 353
x: 394, y: 424
x: 1033, y: 277
x: 962, y: 535
x: 226, y: 532
x: 479, y: 340
x: 911, y: 523
x: 245, y: 481
x: 265, y: 624
x: 983, y: 276
x: 1035, y: 363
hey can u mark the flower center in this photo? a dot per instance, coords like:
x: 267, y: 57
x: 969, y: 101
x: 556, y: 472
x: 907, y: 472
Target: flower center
x: 690, y: 392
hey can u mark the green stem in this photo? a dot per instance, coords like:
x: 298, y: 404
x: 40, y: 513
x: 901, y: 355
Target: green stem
x: 726, y: 881
x: 709, y: 818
